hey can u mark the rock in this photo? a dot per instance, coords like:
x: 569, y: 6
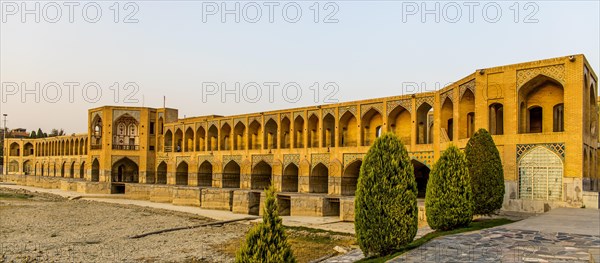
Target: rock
x: 340, y: 249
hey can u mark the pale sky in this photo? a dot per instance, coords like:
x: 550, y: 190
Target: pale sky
x: 177, y: 49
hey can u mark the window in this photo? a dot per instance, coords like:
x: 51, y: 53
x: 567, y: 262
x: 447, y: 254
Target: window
x: 151, y: 127
x: 558, y: 117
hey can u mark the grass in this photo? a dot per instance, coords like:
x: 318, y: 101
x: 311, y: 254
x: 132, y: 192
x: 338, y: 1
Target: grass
x: 4, y: 195
x: 475, y: 225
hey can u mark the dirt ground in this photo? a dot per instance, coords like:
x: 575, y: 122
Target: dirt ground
x: 39, y: 227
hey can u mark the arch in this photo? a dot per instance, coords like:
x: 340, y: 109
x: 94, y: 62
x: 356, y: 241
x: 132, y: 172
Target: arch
x: 239, y: 133
x: 27, y: 168
x: 15, y: 149
x: 189, y: 140
x: 466, y: 127
x: 178, y: 140
x: 200, y: 139
x: 313, y: 131
x: 289, y: 181
x: 421, y: 172
x: 270, y: 134
x: 181, y: 174
x: 496, y: 118
x: 125, y: 170
x: 447, y: 119
x: 543, y: 92
x: 28, y: 149
x: 254, y: 135
x: 72, y: 170
x: 372, y: 122
x: 558, y: 118
x: 125, y: 133
x: 231, y: 175
x: 350, y: 178
x: 42, y: 169
x: 13, y: 166
x: 82, y: 170
x: 328, y: 137
x: 299, y: 132
x: 161, y: 173
x: 95, y: 171
x: 67, y: 147
x: 535, y: 119
x: 62, y: 169
x: 593, y: 111
x: 540, y: 175
x: 261, y: 176
x: 399, y: 122
x: 285, y: 136
x: 205, y: 174
x: 76, y: 147
x: 423, y: 121
x: 348, y: 136
x: 168, y: 141
x: 318, y: 179
x: 225, y: 140
x: 212, y: 135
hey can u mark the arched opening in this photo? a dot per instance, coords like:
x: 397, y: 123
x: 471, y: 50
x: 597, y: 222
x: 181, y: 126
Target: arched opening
x: 96, y: 133
x: 447, y: 119
x: 400, y: 123
x: 72, y: 170
x: 95, y: 171
x: 231, y: 175
x: 62, y: 169
x: 593, y: 111
x: 181, y: 175
x: 496, y: 111
x: 212, y: 142
x: 189, y: 140
x: 328, y: 138
x: 28, y: 149
x: 13, y: 167
x: 200, y: 139
x: 42, y: 169
x: 421, y: 176
x: 125, y: 171
x: 125, y: 133
x: 225, y: 137
x: 539, y: 93
x: 423, y: 126
x: 54, y: 169
x: 290, y: 178
x: 285, y: 133
x: 261, y: 176
x: 205, y: 174
x: 239, y: 133
x: 27, y: 168
x: 535, y: 119
x: 161, y: 173
x: 76, y: 147
x: 270, y: 134
x: 254, y: 136
x: 558, y: 119
x: 540, y: 175
x: 67, y: 150
x: 299, y: 132
x: 81, y: 170
x: 348, y: 130
x: 318, y: 179
x: 313, y: 131
x: 467, y: 115
x: 371, y: 126
x: 350, y: 178
x: 178, y: 140
x: 15, y: 150
x: 168, y: 141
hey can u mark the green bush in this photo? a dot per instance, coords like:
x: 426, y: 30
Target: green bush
x: 266, y: 242
x: 386, y: 213
x: 448, y: 201
x: 487, y: 176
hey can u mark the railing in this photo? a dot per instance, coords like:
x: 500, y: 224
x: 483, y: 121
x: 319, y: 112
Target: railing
x: 126, y: 147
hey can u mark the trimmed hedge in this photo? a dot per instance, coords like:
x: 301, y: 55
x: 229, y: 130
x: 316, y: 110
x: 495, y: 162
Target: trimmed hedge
x: 266, y: 242
x: 448, y: 202
x: 487, y: 175
x: 386, y: 213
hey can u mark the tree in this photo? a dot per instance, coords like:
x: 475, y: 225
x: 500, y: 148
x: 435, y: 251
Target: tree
x: 386, y: 212
x: 487, y: 175
x: 33, y: 135
x: 448, y: 201
x: 39, y: 133
x: 266, y: 242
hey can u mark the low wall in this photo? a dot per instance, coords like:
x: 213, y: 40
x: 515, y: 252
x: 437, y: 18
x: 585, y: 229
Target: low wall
x: 247, y: 202
x: 161, y: 193
x: 189, y: 195
x: 216, y: 198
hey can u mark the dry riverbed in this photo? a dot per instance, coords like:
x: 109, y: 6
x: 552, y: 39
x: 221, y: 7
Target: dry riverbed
x: 39, y: 227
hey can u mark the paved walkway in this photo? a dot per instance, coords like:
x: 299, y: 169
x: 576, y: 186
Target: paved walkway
x: 324, y: 223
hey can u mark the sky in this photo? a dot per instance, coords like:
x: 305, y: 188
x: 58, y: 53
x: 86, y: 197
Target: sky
x: 277, y: 55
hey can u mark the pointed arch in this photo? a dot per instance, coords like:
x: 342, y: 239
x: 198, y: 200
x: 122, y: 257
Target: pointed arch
x: 423, y: 120
x: 285, y: 136
x: 225, y: 140
x: 496, y: 118
x: 95, y: 171
x: 231, y: 175
x: 318, y: 179
x: 205, y: 174
x: 188, y: 140
x: 399, y: 122
x: 239, y: 133
x: 261, y: 176
x: 181, y: 174
x: 270, y: 135
x: 544, y: 92
x: 372, y: 123
x: 466, y: 106
x: 350, y: 178
x: 447, y: 119
x: 328, y: 137
x: 200, y: 139
x: 125, y: 170
x: 289, y: 182
x: 254, y: 135
x: 299, y: 132
x: 540, y: 174
x: 161, y: 173
x: 178, y: 140
x: 168, y: 141
x: 313, y: 131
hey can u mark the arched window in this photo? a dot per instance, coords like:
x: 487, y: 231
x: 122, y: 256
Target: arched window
x: 558, y: 117
x: 496, y: 111
x: 540, y: 175
x: 535, y: 121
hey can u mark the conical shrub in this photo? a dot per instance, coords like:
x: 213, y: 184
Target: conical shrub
x: 487, y: 175
x: 386, y: 213
x: 448, y: 201
x: 267, y: 241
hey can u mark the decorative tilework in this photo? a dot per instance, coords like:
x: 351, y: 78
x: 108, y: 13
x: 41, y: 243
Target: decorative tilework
x: 556, y: 72
x: 329, y: 111
x: 468, y: 85
x: 351, y: 157
x: 448, y: 94
x: 211, y: 123
x: 344, y: 109
x: 425, y: 157
x: 298, y: 113
x: 255, y: 118
x: 242, y: 120
x: 313, y: 112
x: 365, y: 108
x: 558, y: 148
x: 228, y: 158
x: 257, y: 158
x: 284, y: 115
x: 203, y: 158
x: 429, y: 100
x: 317, y: 158
x: 291, y: 158
x: 392, y: 105
x: 223, y: 122
x: 269, y: 117
x: 116, y: 158
x: 180, y: 159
